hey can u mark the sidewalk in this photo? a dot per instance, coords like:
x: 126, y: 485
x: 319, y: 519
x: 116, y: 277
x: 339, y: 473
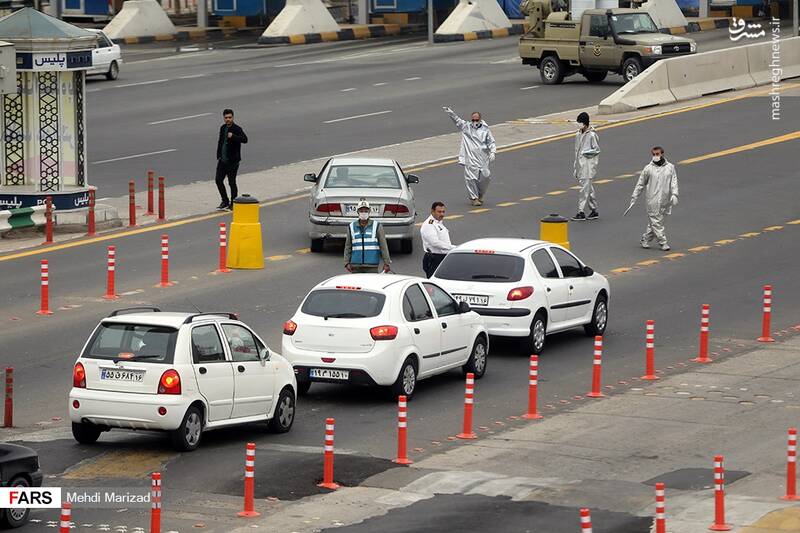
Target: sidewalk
x: 606, y: 455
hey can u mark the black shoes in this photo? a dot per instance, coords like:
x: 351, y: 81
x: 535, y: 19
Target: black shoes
x: 579, y: 217
x: 223, y: 206
x: 593, y: 215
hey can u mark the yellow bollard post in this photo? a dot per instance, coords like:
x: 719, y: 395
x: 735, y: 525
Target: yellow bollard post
x: 245, y: 249
x: 554, y: 229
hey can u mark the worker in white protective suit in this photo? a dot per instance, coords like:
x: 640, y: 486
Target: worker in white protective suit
x: 660, y: 183
x: 478, y: 149
x: 587, y: 150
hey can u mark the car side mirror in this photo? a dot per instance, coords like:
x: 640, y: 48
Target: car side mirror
x: 263, y: 354
x: 310, y: 177
x: 588, y: 271
x: 412, y: 178
x: 463, y: 307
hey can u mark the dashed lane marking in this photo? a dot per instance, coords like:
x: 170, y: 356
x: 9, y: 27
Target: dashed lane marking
x: 699, y: 249
x: 556, y: 193
x: 773, y: 228
x: 750, y: 234
x: 649, y: 262
x: 452, y: 217
x: 480, y: 210
x: 723, y: 242
x: 303, y: 251
x: 600, y: 182
x: 507, y: 204
x: 278, y: 257
x: 621, y: 270
x: 576, y: 187
x: 531, y: 198
x: 675, y: 255
x: 794, y: 222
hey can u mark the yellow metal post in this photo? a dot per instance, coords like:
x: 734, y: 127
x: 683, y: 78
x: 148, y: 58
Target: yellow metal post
x: 554, y: 228
x: 245, y: 248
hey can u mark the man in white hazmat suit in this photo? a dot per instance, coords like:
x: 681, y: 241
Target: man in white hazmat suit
x: 660, y: 183
x: 587, y: 150
x: 478, y: 149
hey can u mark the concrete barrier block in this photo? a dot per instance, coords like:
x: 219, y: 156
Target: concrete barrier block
x: 649, y: 88
x: 300, y: 17
x: 789, y: 57
x: 758, y: 61
x: 139, y: 18
x: 696, y: 75
x: 474, y: 16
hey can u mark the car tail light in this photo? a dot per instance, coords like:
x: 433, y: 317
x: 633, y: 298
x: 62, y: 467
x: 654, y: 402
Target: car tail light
x: 170, y: 382
x: 520, y: 293
x: 383, y: 333
x: 79, y: 376
x: 331, y: 209
x: 392, y: 210
x: 484, y: 251
x: 348, y: 288
x: 289, y: 327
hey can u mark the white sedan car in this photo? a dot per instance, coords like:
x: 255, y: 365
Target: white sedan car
x: 181, y: 373
x: 526, y: 288
x: 106, y: 58
x: 386, y: 330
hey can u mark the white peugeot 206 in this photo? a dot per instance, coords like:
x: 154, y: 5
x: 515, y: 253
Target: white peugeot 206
x: 526, y: 288
x: 385, y: 330
x: 182, y: 373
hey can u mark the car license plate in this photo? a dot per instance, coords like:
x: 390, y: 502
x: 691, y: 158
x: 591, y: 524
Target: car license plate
x: 472, y: 299
x: 328, y: 373
x: 137, y: 376
x: 350, y: 209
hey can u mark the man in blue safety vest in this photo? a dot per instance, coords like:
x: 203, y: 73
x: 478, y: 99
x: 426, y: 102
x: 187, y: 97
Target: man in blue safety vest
x: 366, y: 243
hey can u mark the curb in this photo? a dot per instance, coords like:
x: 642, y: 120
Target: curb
x: 694, y: 27
x: 369, y: 31
x: 515, y: 29
x: 189, y: 35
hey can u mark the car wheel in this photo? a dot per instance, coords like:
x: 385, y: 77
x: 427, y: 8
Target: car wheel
x: 551, y: 70
x: 631, y: 68
x: 477, y: 359
x: 15, y: 517
x: 86, y: 433
x: 302, y: 387
x: 599, y: 317
x: 407, y: 246
x: 406, y: 382
x: 317, y: 245
x: 113, y: 71
x: 187, y: 437
x: 595, y: 76
x: 283, y: 418
x: 538, y: 334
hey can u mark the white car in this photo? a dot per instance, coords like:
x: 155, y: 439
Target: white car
x: 183, y: 373
x: 385, y: 330
x: 106, y: 58
x: 526, y: 288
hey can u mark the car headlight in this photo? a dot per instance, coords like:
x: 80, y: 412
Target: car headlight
x: 655, y: 50
x: 693, y: 47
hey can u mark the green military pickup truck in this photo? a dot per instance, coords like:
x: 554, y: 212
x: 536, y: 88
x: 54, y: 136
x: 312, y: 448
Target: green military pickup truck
x: 625, y: 41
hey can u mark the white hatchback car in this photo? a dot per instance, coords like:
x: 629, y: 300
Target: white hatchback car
x: 386, y: 330
x: 106, y: 58
x: 526, y: 288
x: 183, y: 373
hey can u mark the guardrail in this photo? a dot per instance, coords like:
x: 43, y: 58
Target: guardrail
x: 24, y: 217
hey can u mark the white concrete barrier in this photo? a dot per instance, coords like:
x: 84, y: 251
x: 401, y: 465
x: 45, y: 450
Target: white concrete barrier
x: 665, y: 13
x: 300, y: 17
x: 696, y: 75
x: 790, y: 58
x: 649, y: 88
x: 474, y: 15
x: 139, y: 18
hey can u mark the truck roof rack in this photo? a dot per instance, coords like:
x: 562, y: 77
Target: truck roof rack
x: 126, y: 310
x: 190, y: 318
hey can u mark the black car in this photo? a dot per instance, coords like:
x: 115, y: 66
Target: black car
x: 19, y: 467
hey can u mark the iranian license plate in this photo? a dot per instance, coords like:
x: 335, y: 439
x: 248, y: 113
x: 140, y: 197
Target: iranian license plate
x: 137, y: 376
x: 350, y: 209
x: 328, y: 373
x: 472, y: 299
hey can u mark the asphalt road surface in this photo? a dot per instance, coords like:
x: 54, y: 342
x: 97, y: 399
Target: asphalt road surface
x: 730, y: 235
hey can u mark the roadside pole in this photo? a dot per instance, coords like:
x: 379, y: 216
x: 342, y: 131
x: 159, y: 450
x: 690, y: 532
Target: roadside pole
x: 795, y: 8
x: 202, y: 14
x: 703, y: 9
x: 430, y: 20
x: 363, y: 12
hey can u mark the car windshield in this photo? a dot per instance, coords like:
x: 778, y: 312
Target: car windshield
x: 492, y: 268
x: 151, y: 344
x: 362, y: 177
x: 633, y: 23
x: 343, y: 303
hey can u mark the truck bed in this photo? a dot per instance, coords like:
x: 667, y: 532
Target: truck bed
x: 533, y: 48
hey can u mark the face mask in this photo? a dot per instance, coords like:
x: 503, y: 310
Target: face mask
x: 656, y: 158
x: 363, y: 216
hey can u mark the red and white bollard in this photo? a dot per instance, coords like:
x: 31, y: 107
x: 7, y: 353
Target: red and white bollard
x: 165, y: 282
x: 533, y: 390
x: 791, y: 467
x: 469, y: 399
x: 250, y: 482
x: 44, y: 307
x: 327, y: 470
x: 161, y: 200
x: 48, y: 217
x: 90, y: 221
x: 402, y: 428
x: 586, y: 521
x: 111, y: 267
x: 661, y: 517
x: 150, y: 184
x: 8, y: 412
x: 155, y: 502
x: 650, y: 349
x: 597, y: 368
x: 131, y: 204
x: 719, y: 497
x: 223, y: 249
x: 766, y: 319
x: 66, y: 518
x: 704, y: 323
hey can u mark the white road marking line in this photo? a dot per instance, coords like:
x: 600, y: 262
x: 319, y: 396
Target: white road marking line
x: 176, y: 56
x: 192, y: 76
x: 140, y: 83
x: 176, y: 119
x: 531, y: 87
x: 413, y: 79
x: 509, y: 60
x: 347, y: 90
x: 357, y: 116
x: 134, y: 156
x: 380, y: 84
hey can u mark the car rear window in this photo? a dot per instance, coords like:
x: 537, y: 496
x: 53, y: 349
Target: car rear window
x: 362, y: 177
x: 136, y: 342
x: 491, y: 268
x: 343, y: 303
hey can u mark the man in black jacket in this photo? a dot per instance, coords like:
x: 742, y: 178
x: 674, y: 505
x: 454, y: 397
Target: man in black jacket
x: 229, y: 154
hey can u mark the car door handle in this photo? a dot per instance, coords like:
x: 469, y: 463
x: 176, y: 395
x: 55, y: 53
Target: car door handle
x: 416, y: 330
x: 549, y: 289
x: 444, y: 325
x: 571, y: 287
x: 240, y: 368
x: 202, y: 370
